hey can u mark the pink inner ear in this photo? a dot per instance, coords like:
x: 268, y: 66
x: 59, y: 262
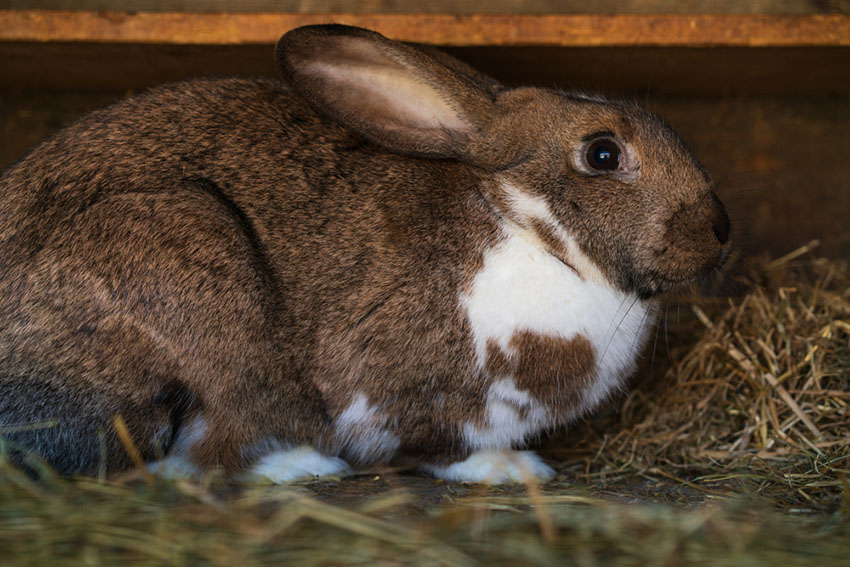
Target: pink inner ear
x: 386, y: 94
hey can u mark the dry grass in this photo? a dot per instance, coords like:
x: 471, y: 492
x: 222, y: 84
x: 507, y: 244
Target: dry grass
x: 86, y: 522
x: 747, y: 421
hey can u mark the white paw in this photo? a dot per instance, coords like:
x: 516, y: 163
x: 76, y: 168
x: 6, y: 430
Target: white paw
x: 177, y: 464
x: 287, y: 465
x: 496, y: 467
x: 174, y: 467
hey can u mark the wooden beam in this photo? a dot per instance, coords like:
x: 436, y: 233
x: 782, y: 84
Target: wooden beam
x: 547, y: 30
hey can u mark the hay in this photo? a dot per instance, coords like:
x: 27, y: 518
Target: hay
x: 757, y: 391
x: 98, y: 524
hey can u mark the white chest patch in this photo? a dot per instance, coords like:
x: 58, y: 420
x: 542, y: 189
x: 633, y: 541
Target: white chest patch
x: 523, y: 288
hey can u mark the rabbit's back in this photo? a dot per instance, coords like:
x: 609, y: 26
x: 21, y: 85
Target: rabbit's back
x: 222, y: 225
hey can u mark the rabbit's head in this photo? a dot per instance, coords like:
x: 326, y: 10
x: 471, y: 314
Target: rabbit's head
x: 607, y: 187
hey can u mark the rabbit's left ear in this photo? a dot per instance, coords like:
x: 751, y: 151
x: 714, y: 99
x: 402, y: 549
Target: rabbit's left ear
x: 393, y: 94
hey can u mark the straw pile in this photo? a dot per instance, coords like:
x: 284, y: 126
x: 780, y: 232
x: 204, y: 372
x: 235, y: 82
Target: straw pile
x: 108, y: 524
x: 757, y: 391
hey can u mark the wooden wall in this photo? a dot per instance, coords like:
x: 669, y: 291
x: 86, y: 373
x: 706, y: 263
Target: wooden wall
x: 447, y: 6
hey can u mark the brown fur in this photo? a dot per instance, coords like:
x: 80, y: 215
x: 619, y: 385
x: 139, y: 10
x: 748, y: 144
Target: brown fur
x: 554, y: 370
x: 553, y: 244
x: 262, y: 255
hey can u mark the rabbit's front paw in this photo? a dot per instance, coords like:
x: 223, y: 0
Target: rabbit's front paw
x: 287, y: 465
x: 496, y: 467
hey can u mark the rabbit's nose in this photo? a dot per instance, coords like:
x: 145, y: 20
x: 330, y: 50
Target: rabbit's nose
x: 720, y: 223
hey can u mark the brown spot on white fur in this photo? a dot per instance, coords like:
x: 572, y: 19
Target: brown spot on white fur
x: 554, y: 370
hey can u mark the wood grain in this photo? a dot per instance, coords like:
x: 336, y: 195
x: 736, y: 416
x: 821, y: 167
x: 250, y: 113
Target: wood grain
x: 446, y: 6
x: 561, y: 30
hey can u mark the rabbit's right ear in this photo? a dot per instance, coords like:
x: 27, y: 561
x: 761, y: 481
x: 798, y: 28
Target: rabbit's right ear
x: 391, y: 93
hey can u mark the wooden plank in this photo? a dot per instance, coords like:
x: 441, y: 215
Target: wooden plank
x: 562, y: 30
x: 446, y: 6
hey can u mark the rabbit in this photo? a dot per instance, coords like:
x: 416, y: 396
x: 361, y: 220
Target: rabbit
x: 384, y: 257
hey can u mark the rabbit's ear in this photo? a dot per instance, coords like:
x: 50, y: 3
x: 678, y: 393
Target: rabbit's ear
x: 393, y: 94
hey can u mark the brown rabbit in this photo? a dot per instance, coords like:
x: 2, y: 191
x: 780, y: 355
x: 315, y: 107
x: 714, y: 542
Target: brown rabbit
x: 386, y: 256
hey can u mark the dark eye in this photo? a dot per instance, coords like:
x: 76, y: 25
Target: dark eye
x: 603, y: 155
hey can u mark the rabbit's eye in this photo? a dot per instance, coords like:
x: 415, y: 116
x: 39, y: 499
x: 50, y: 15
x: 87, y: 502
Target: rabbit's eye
x: 603, y: 155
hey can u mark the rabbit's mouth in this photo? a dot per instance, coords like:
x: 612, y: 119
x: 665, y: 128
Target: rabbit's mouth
x: 655, y: 288
x: 654, y: 283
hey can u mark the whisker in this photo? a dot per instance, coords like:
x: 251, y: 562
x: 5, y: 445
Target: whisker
x: 614, y: 318
x: 611, y: 338
x: 640, y: 329
x: 654, y: 349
